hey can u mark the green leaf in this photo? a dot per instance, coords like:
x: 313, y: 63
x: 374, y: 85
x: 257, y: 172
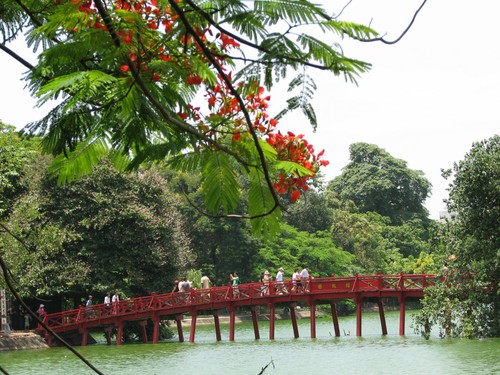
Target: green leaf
x: 79, y: 162
x: 220, y: 184
x: 291, y: 167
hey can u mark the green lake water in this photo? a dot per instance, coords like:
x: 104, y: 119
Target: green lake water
x: 348, y: 354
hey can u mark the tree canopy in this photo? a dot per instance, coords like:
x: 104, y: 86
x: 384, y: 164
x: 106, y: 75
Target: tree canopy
x: 467, y: 304
x: 109, y: 231
x: 378, y: 182
x: 126, y: 76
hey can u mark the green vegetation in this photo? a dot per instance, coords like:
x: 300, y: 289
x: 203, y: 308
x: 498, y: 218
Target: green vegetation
x: 467, y: 303
x: 138, y: 232
x: 156, y: 188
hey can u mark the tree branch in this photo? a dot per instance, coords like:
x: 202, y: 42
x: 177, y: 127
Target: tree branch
x: 6, y: 273
x: 381, y: 39
x: 235, y: 93
x: 164, y: 113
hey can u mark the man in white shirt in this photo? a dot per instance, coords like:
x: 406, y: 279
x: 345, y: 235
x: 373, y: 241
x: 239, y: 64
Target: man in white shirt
x: 205, y: 282
x: 279, y: 281
x: 304, y: 277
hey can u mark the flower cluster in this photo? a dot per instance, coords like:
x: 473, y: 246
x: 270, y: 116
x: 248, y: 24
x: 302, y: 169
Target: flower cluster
x: 148, y: 36
x: 295, y: 148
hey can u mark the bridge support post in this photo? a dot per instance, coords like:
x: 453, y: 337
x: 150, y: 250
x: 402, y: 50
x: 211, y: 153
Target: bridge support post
x: 192, y: 330
x: 293, y: 316
x: 382, y: 317
x: 85, y: 336
x: 107, y: 333
x: 255, y: 321
x: 144, y: 333
x: 359, y: 306
x: 156, y: 329
x: 312, y: 313
x: 217, y: 325
x: 119, y: 333
x: 272, y: 317
x: 180, y: 333
x: 48, y: 338
x: 232, y: 318
x: 335, y: 319
x: 402, y: 308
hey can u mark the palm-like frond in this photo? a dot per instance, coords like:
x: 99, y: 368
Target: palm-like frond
x: 80, y: 162
x: 220, y: 184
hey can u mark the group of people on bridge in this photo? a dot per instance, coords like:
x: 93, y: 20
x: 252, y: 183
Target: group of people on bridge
x: 300, y: 281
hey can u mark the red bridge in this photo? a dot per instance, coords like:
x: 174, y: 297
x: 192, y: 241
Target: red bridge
x: 172, y: 306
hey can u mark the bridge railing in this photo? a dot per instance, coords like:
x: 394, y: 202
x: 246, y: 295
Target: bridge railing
x: 218, y: 295
x: 367, y: 283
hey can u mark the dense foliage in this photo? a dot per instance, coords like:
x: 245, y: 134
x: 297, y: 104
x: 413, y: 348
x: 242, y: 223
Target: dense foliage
x: 376, y: 181
x: 183, y: 82
x: 14, y: 155
x: 106, y: 232
x: 467, y: 303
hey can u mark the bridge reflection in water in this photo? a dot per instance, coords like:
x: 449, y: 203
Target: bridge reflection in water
x: 173, y: 306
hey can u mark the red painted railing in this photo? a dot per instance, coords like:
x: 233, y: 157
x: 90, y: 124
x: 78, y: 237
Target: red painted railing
x: 245, y: 294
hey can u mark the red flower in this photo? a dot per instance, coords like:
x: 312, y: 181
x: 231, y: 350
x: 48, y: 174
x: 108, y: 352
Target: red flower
x: 194, y: 80
x: 295, y: 195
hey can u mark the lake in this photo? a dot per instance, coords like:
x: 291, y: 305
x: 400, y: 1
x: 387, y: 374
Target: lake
x: 348, y: 354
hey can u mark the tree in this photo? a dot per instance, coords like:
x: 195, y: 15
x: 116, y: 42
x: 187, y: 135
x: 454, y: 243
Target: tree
x: 363, y: 236
x: 105, y: 232
x: 467, y: 303
x: 311, y: 214
x: 126, y: 73
x: 295, y: 248
x: 15, y: 153
x: 375, y: 181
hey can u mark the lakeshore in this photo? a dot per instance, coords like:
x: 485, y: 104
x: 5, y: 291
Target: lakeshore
x: 21, y: 340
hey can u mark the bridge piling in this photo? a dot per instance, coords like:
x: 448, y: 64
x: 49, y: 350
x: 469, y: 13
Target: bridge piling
x: 144, y: 334
x: 119, y: 332
x: 255, y: 321
x: 85, y: 335
x: 217, y: 325
x: 156, y: 329
x: 293, y: 316
x: 312, y: 309
x: 192, y: 329
x: 107, y: 334
x: 382, y: 317
x: 232, y: 318
x: 402, y: 313
x: 359, y: 311
x: 333, y: 308
x: 272, y: 317
x: 180, y: 333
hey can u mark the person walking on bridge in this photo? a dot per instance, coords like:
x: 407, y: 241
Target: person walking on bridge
x: 296, y: 284
x: 235, y: 282
x: 205, y: 282
x: 280, y: 287
x: 114, y: 300
x: 304, y: 277
x: 89, y: 310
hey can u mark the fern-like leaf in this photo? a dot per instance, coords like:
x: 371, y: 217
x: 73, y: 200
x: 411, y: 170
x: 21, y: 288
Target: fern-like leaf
x: 220, y: 184
x: 79, y: 162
